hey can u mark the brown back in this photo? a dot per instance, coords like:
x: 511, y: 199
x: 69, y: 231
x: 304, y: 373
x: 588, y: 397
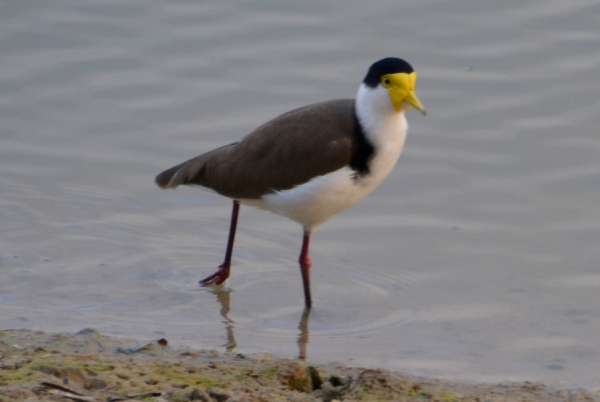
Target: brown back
x: 287, y: 151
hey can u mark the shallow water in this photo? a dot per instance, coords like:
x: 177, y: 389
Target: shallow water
x: 478, y: 258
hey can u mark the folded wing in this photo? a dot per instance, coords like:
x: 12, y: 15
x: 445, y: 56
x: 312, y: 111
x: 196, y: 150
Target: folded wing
x: 287, y: 151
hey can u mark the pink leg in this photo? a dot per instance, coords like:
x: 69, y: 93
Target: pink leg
x: 223, y: 272
x: 305, y: 264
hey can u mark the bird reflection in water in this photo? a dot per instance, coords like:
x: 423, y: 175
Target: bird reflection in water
x: 224, y: 298
x: 303, y: 336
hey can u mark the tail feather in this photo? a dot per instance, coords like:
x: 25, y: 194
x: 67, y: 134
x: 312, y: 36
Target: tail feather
x: 164, y: 180
x: 192, y: 171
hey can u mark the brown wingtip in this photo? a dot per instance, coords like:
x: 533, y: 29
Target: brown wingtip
x: 163, y: 180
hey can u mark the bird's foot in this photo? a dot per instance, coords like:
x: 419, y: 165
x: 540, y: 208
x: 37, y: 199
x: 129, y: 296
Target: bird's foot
x: 218, y: 277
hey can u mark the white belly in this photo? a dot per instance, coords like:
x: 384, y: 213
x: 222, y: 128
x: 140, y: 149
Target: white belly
x: 312, y: 203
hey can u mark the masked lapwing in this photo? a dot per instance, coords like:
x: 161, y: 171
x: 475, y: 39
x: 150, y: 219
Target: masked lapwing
x: 310, y: 163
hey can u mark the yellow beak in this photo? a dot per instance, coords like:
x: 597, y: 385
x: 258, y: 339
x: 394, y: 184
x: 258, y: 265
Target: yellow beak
x: 401, y: 89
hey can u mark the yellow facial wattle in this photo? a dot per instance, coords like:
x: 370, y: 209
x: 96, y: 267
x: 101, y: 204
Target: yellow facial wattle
x: 401, y: 89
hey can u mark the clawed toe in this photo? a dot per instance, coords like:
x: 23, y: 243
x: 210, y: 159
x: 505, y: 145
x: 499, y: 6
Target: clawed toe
x: 217, y: 278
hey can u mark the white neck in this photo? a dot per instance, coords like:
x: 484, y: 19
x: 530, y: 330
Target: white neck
x: 382, y: 125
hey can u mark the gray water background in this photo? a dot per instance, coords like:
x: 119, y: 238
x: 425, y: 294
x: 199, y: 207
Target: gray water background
x: 477, y: 259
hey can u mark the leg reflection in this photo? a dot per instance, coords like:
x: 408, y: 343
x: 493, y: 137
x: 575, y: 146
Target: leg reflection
x: 303, y: 336
x: 223, y: 299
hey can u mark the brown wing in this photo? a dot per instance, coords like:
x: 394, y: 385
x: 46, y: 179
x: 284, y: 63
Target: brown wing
x: 285, y: 152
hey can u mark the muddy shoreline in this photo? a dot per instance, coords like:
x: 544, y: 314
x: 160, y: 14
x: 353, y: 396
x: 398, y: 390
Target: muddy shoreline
x: 88, y: 366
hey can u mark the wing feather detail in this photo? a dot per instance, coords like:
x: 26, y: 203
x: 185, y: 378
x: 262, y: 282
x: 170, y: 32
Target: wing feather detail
x: 285, y: 152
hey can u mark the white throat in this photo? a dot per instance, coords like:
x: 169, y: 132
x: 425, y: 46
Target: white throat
x: 383, y: 126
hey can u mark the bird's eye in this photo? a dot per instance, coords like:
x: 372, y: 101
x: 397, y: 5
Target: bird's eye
x: 386, y: 82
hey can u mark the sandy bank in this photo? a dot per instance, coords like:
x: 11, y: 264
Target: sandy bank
x: 89, y: 366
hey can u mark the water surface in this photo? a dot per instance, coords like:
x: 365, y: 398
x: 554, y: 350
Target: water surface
x: 478, y: 257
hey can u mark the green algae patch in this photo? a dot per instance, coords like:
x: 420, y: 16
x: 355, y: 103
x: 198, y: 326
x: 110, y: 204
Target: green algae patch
x: 17, y: 376
x: 178, y: 375
x: 449, y: 397
x: 268, y: 372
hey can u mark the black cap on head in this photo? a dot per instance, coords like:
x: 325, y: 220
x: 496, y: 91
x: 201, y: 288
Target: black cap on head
x: 389, y: 65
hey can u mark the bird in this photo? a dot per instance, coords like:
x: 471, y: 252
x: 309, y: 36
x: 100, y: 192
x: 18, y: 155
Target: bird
x: 312, y: 162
